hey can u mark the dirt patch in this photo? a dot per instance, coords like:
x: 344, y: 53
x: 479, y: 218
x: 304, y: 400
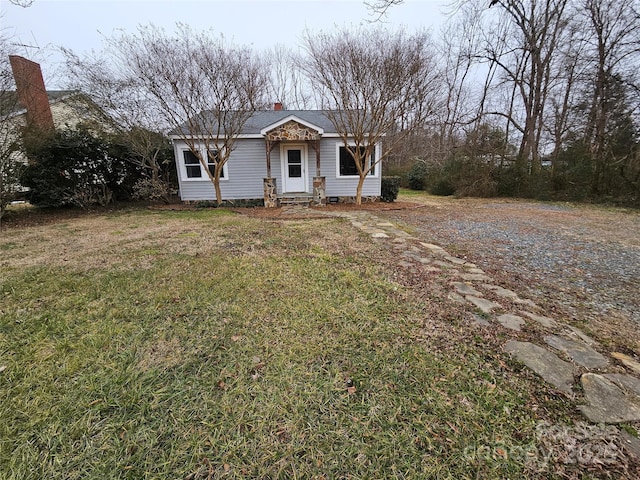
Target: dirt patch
x: 161, y: 354
x: 289, y: 213
x: 27, y: 216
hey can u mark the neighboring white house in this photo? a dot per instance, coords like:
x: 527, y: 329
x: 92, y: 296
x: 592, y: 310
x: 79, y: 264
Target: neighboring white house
x: 294, y: 154
x: 31, y: 105
x: 68, y: 108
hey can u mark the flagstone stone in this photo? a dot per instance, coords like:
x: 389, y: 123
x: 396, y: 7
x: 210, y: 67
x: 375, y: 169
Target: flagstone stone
x: 513, y: 322
x: 476, y: 277
x: 475, y: 270
x: 434, y: 248
x: 453, y: 296
x: 501, y: 292
x: 610, y: 398
x: 579, y: 352
x: 465, y: 289
x: 455, y: 260
x: 576, y: 332
x: 627, y: 361
x: 479, y: 320
x: 542, y: 320
x: 486, y: 306
x: 632, y: 443
x: 525, y: 301
x: 431, y: 269
x: 549, y: 366
x: 628, y: 383
x: 442, y: 264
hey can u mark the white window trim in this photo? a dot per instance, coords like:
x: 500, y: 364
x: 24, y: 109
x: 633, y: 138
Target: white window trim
x: 353, y: 144
x: 204, y: 177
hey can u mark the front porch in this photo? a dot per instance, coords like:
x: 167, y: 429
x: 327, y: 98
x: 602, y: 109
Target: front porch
x: 296, y: 139
x: 273, y: 199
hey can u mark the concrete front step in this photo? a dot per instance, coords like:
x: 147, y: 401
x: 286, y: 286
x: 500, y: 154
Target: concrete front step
x: 296, y: 200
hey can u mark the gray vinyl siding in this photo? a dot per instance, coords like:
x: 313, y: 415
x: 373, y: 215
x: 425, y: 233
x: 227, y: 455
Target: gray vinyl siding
x: 343, y: 187
x: 247, y: 167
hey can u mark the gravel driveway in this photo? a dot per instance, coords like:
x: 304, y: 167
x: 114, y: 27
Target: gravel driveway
x: 582, y: 261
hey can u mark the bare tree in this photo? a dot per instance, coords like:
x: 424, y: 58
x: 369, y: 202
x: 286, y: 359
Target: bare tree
x: 22, y: 3
x: 10, y: 131
x: 460, y: 41
x: 526, y: 55
x: 563, y: 121
x: 121, y: 107
x: 203, y: 88
x: 287, y: 84
x: 614, y: 40
x: 379, y: 8
x: 373, y: 83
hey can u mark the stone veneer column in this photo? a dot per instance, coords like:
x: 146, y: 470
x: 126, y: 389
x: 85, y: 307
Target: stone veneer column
x: 319, y: 190
x: 270, y: 193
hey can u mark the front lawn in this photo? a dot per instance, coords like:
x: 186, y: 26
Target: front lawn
x: 205, y: 344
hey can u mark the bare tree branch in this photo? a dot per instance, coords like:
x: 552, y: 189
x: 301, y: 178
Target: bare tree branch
x: 11, y: 164
x: 379, y: 8
x: 198, y: 85
x: 373, y: 83
x: 22, y: 3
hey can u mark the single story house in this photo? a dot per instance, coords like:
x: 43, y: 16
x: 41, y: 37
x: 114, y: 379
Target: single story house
x: 280, y: 156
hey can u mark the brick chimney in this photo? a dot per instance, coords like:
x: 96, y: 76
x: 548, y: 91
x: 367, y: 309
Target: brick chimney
x: 32, y: 93
x: 277, y: 106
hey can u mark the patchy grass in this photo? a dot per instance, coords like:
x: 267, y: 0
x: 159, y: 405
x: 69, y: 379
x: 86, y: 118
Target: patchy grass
x: 204, y: 344
x: 408, y: 194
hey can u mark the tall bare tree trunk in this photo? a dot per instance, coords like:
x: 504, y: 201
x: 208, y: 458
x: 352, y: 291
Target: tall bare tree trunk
x: 359, y: 190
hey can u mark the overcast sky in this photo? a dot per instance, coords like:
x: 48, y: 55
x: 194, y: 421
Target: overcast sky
x: 80, y: 25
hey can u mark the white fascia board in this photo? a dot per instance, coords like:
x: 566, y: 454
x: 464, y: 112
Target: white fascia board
x: 268, y: 128
x: 251, y: 135
x: 334, y: 135
x: 204, y: 137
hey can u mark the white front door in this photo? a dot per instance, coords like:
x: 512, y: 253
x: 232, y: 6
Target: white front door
x: 295, y: 168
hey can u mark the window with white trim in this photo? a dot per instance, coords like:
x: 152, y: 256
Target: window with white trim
x: 212, y: 160
x: 347, y: 165
x: 192, y: 168
x: 191, y: 164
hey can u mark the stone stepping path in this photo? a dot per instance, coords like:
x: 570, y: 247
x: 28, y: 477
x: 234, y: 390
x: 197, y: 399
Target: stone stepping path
x: 567, y: 357
x: 580, y: 353
x: 554, y: 370
x: 611, y: 398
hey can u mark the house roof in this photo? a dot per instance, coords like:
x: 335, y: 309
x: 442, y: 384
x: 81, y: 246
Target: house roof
x: 262, y: 119
x: 11, y: 106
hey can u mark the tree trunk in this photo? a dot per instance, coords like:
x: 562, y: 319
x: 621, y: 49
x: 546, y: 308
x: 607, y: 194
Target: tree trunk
x: 359, y: 189
x: 216, y: 184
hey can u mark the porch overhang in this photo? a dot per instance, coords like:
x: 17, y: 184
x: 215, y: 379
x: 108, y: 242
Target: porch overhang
x: 292, y: 128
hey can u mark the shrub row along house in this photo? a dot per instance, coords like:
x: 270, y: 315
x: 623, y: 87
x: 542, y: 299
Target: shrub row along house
x: 280, y: 156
